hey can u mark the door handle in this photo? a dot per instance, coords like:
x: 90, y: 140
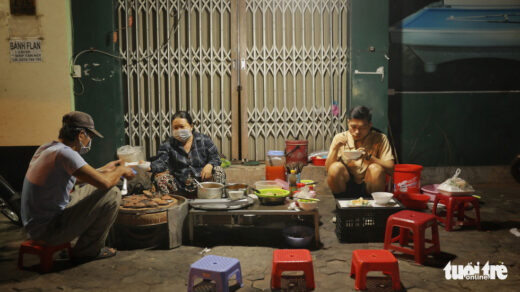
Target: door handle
x: 379, y: 71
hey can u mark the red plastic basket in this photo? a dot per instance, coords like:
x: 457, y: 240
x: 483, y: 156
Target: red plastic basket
x: 318, y: 161
x: 414, y: 200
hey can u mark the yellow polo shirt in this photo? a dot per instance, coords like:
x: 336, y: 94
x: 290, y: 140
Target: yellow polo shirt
x: 375, y: 143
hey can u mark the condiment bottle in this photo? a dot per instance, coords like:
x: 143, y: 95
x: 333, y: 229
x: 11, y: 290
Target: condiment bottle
x: 292, y: 182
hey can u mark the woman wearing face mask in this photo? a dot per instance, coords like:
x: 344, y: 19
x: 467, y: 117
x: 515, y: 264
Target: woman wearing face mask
x: 186, y: 155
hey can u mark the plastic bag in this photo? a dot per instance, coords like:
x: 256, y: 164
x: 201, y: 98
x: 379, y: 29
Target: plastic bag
x: 455, y: 184
x: 319, y: 154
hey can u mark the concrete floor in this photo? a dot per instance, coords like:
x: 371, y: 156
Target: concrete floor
x: 167, y: 270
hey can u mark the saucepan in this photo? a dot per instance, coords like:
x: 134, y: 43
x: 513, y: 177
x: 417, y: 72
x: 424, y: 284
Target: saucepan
x: 210, y: 190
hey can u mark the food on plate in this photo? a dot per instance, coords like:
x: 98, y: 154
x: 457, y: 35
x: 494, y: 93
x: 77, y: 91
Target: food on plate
x: 459, y: 184
x: 139, y: 205
x: 360, y: 202
x: 455, y: 184
x: 150, y: 204
x: 148, y: 199
x: 148, y: 194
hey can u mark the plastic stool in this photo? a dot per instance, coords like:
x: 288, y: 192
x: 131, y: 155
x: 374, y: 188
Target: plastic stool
x: 455, y: 206
x: 417, y: 222
x: 366, y: 260
x: 292, y: 260
x: 216, y: 268
x: 45, y: 253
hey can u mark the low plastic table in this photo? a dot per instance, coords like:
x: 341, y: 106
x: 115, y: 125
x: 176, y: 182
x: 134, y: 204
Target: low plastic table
x: 196, y: 215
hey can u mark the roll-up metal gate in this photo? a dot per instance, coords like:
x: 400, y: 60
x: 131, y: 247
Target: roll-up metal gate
x: 297, y: 69
x: 252, y: 73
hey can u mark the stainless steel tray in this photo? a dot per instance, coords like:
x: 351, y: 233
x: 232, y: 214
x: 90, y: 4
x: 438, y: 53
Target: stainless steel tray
x: 221, y: 204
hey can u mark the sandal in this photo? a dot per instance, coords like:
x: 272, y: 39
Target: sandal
x: 105, y: 252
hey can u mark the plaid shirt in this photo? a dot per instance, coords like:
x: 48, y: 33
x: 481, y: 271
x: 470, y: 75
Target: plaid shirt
x: 172, y: 156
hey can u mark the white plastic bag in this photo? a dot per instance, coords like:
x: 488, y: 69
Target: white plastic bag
x: 455, y: 184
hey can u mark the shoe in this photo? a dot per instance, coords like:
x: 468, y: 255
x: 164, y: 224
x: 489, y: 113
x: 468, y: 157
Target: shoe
x: 105, y: 252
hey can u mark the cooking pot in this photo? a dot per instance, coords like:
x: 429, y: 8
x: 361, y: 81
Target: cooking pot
x: 210, y: 190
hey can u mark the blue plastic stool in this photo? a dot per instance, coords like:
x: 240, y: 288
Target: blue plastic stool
x: 216, y: 268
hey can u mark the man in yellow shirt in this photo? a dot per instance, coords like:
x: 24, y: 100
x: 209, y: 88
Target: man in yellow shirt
x: 366, y: 174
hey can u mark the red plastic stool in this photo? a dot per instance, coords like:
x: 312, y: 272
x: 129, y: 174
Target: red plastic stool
x: 416, y: 222
x: 292, y: 260
x: 455, y: 206
x: 366, y: 260
x: 44, y: 252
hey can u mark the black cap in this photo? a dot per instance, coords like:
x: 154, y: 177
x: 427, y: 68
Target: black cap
x: 80, y: 120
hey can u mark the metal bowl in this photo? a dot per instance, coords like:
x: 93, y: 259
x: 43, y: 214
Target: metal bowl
x: 210, y: 190
x: 298, y: 236
x: 236, y: 187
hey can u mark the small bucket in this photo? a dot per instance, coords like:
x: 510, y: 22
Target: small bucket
x: 407, y: 178
x: 296, y: 151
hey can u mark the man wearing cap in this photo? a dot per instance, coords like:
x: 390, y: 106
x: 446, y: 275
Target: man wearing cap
x: 52, y: 212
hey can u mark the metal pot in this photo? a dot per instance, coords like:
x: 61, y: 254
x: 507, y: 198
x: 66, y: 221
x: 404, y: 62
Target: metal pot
x: 210, y: 190
x: 237, y: 187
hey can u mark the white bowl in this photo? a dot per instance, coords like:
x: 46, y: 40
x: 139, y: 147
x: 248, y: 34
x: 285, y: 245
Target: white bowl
x: 382, y: 198
x: 352, y: 154
x: 235, y: 195
x: 307, y: 206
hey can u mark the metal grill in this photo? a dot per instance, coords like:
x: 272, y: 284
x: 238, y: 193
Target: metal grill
x: 178, y: 56
x: 297, y: 66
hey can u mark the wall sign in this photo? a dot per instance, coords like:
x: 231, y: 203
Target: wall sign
x: 26, y: 51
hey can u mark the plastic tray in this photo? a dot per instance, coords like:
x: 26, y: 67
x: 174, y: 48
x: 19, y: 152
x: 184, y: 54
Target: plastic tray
x: 267, y: 184
x: 221, y: 204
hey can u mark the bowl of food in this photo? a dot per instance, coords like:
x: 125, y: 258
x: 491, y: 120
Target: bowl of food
x: 307, y: 182
x: 308, y: 204
x: 352, y: 154
x: 382, y: 198
x: 298, y: 236
x: 272, y: 196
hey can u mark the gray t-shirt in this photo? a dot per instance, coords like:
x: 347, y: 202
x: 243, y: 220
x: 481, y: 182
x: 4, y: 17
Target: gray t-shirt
x: 47, y: 185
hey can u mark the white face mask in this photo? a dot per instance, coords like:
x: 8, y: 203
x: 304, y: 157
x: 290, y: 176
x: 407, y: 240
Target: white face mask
x: 85, y: 149
x: 182, y: 134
